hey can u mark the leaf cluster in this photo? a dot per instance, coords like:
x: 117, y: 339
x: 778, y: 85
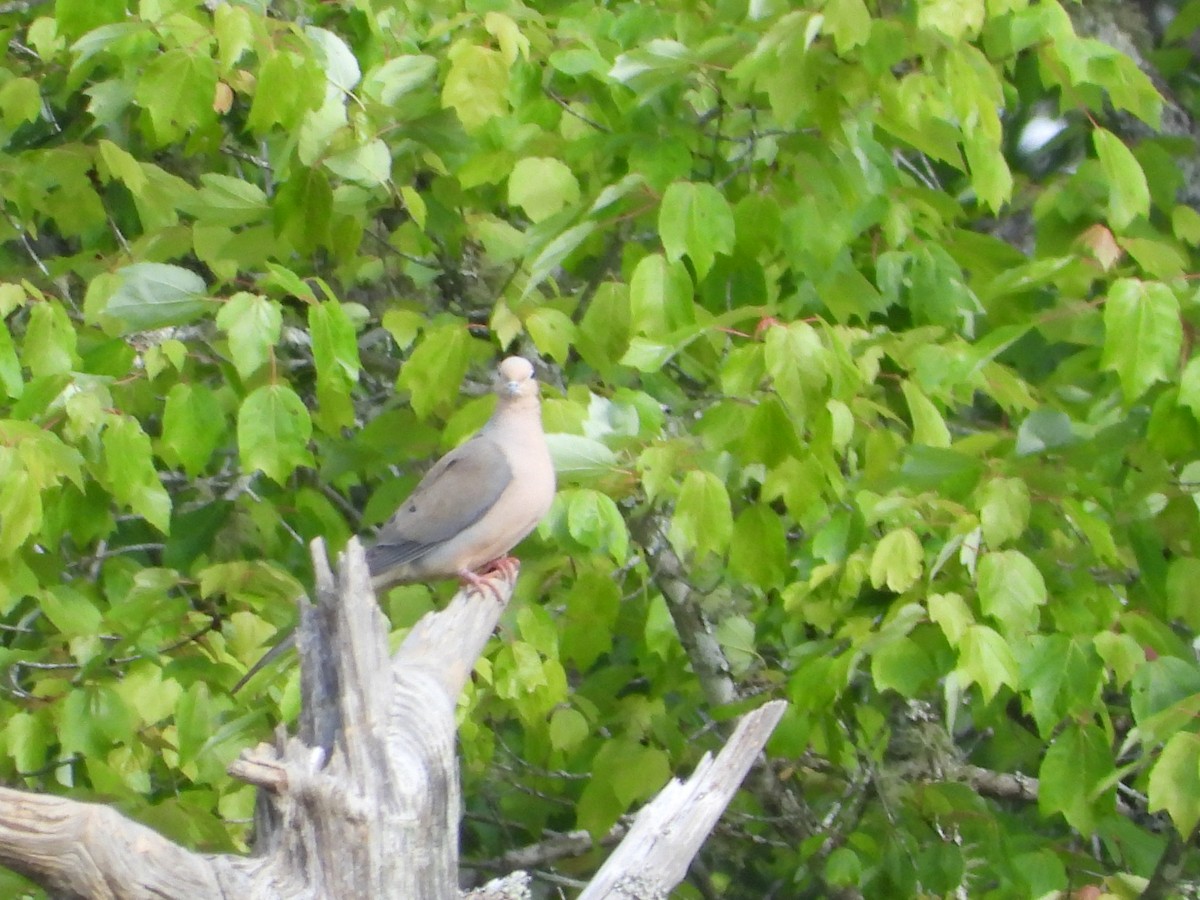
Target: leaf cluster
x: 850, y: 403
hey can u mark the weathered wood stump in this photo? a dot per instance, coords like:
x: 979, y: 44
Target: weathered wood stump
x: 364, y: 800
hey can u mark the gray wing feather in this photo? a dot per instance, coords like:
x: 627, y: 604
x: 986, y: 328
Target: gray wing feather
x: 453, y: 496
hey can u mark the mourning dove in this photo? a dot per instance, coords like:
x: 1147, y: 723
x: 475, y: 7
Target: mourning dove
x: 479, y: 500
x: 476, y: 503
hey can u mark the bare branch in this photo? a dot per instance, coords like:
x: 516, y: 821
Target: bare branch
x: 85, y: 850
x: 668, y: 832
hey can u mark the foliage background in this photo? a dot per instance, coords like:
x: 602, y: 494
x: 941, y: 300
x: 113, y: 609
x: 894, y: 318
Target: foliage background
x: 860, y: 399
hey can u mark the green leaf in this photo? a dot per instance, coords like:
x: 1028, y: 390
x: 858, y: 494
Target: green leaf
x: 193, y: 721
x: 1063, y: 678
x: 304, y: 209
x: 1128, y: 193
x: 1143, y: 335
x: 1189, y: 386
x: 285, y: 280
x: 72, y: 612
x: 595, y: 522
x: 1185, y: 224
x: 253, y: 324
x: 898, y: 561
x: 770, y: 436
x: 273, y: 432
x: 335, y: 354
x: 177, y: 89
x: 1121, y: 653
x: 27, y: 740
x: 568, y: 729
x: 660, y: 297
x: 844, y: 868
x: 929, y: 429
x: 255, y: 582
x: 578, y: 61
x: 228, y: 201
x: 987, y: 660
x: 435, y: 369
x: 130, y: 472
x: 335, y: 348
x: 703, y: 521
x: 476, y: 85
x: 49, y: 345
x: 1127, y: 86
x: 21, y: 500
x: 145, y: 691
x: 598, y: 808
x: 1011, y: 591
x: 592, y: 607
x: 549, y: 257
x: 1160, y: 684
x: 20, y: 102
x: 577, y: 457
x: 542, y: 186
x: 74, y: 17
x: 659, y: 56
x: 155, y: 295
x: 539, y: 629
x: 758, y: 551
x: 735, y: 634
x: 1183, y: 590
x: 234, y: 30
x: 956, y: 19
x: 369, y: 164
x: 799, y: 365
x: 903, y: 666
x: 1003, y: 510
x: 336, y: 58
x: 849, y: 22
x: 1077, y: 762
x: 288, y: 87
x: 415, y: 205
x: 12, y: 297
x: 552, y: 331
x: 520, y: 671
x: 1157, y: 258
x: 695, y: 220
x: 635, y: 772
x: 193, y: 427
x: 646, y: 355
x: 1045, y: 429
x: 990, y: 175
x: 1175, y: 781
x: 77, y: 727
x: 401, y: 75
x: 513, y: 44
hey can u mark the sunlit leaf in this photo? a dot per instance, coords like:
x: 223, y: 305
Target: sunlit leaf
x: 1143, y: 334
x: 541, y: 187
x: 273, y: 428
x: 696, y: 221
x: 702, y: 521
x: 1128, y: 193
x: 153, y: 295
x: 898, y: 561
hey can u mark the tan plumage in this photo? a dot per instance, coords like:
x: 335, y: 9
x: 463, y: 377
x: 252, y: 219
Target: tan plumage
x: 479, y: 500
x: 476, y: 503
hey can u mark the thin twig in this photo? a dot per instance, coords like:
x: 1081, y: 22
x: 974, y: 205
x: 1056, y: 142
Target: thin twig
x: 25, y: 242
x: 574, y: 112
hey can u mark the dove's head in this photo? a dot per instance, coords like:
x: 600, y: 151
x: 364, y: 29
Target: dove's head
x: 515, y: 379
